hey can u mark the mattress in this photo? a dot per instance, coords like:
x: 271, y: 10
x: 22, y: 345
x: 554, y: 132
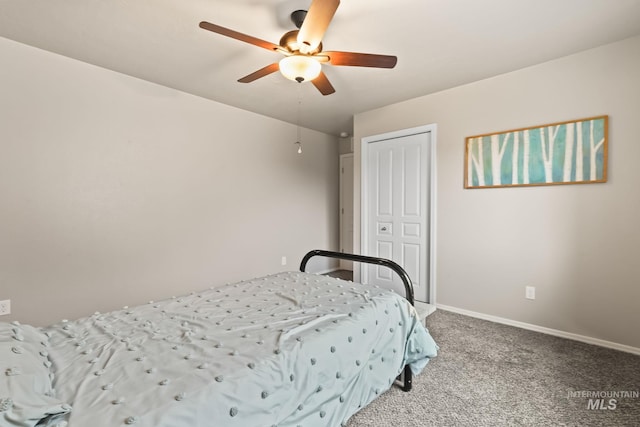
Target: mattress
x: 284, y: 350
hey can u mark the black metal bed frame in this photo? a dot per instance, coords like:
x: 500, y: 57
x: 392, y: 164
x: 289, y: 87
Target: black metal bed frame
x: 406, y: 378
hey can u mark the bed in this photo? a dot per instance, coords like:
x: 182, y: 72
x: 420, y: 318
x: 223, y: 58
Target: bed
x: 290, y: 349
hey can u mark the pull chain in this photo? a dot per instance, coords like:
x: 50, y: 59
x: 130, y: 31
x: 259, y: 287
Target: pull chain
x: 298, y: 130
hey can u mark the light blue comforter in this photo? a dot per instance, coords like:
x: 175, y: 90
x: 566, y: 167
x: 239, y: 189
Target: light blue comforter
x: 285, y: 350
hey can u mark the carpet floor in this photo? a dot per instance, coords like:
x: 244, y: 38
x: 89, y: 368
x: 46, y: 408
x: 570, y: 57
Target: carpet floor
x: 488, y: 374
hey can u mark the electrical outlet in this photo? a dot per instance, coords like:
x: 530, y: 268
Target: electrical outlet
x: 284, y: 260
x: 5, y: 307
x: 530, y: 292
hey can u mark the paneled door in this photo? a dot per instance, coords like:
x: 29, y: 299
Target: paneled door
x: 346, y: 208
x: 397, y: 198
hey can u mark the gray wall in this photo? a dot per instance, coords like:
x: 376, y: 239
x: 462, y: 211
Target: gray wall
x: 577, y: 244
x: 115, y: 191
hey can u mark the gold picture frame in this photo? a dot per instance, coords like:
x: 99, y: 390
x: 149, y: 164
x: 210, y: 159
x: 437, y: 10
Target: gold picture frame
x: 569, y: 152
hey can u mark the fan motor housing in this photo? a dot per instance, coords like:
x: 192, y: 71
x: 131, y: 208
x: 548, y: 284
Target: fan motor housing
x: 289, y: 41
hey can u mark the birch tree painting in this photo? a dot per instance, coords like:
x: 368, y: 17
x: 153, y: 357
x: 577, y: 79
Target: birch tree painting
x: 560, y: 153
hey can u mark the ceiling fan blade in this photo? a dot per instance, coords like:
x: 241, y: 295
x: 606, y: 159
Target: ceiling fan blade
x: 264, y: 71
x: 323, y: 85
x: 315, y: 24
x: 239, y: 36
x: 361, y: 59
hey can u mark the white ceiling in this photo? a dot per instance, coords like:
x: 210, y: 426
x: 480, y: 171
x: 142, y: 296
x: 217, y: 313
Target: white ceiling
x: 439, y: 44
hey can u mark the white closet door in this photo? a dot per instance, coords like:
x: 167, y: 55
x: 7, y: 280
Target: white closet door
x: 398, y: 212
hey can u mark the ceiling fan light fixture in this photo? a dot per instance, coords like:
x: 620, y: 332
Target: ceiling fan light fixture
x: 303, y: 48
x: 300, y: 68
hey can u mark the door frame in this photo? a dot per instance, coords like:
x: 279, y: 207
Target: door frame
x: 345, y: 265
x: 364, y: 221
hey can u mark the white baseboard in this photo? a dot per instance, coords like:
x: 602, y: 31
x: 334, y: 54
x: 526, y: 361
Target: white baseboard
x: 327, y: 271
x: 424, y: 309
x: 542, y: 329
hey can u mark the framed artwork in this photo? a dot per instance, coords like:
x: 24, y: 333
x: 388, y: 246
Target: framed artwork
x: 572, y: 152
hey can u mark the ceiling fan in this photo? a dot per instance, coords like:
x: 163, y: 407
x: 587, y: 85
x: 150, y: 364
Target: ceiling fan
x: 303, y: 48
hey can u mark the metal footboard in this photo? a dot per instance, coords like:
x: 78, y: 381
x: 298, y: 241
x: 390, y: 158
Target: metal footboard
x: 406, y: 378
